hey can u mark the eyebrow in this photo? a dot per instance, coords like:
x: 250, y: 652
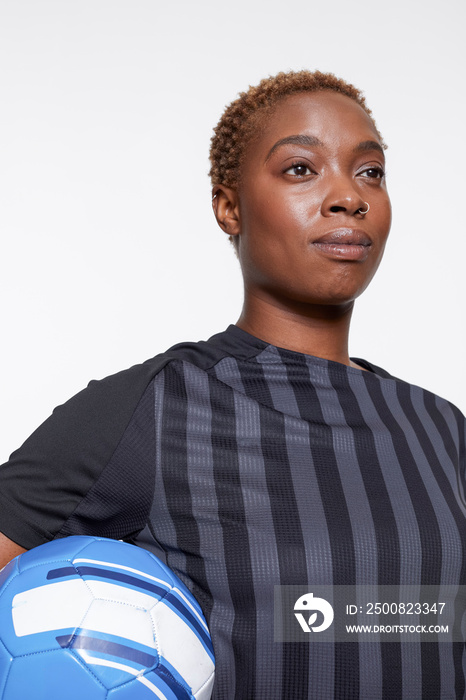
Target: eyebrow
x: 297, y: 139
x: 304, y: 140
x: 369, y: 146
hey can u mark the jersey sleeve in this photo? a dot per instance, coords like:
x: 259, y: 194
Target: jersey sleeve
x: 87, y: 468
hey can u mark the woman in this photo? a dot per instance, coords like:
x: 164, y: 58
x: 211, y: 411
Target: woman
x: 266, y: 456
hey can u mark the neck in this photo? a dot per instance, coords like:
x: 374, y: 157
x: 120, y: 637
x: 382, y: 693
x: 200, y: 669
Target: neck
x: 321, y: 331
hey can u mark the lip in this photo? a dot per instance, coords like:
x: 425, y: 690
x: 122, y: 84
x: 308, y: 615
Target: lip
x: 344, y: 244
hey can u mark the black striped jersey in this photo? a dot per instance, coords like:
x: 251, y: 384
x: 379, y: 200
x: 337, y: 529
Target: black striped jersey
x: 246, y: 467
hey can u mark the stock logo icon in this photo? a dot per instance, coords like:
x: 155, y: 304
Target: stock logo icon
x: 312, y: 607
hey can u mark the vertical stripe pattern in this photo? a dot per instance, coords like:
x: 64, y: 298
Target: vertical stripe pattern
x: 276, y: 468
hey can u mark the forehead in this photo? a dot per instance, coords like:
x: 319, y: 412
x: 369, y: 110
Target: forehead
x: 333, y: 118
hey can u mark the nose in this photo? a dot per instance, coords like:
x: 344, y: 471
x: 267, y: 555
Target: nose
x: 343, y: 197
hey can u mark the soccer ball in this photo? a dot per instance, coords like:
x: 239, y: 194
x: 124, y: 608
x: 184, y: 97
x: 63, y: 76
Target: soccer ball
x: 97, y: 619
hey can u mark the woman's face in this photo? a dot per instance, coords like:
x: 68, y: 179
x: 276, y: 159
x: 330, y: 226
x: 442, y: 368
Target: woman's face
x: 305, y: 178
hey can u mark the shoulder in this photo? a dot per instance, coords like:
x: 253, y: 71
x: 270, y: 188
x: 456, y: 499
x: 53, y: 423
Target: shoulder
x: 99, y: 414
x: 414, y: 400
x: 127, y: 386
x: 203, y: 354
x: 88, y: 456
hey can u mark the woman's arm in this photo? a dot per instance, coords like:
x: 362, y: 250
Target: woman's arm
x: 88, y: 469
x: 8, y: 550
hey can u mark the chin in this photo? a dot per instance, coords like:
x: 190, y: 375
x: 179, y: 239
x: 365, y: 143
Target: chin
x: 333, y: 297
x: 344, y: 293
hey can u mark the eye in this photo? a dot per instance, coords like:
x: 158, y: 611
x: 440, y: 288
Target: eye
x: 375, y: 173
x: 299, y: 170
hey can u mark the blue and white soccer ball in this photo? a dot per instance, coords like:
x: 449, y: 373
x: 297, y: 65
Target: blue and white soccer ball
x: 95, y: 619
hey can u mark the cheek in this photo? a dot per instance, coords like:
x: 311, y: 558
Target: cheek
x: 259, y: 255
x: 276, y: 225
x: 384, y: 213
x: 274, y: 240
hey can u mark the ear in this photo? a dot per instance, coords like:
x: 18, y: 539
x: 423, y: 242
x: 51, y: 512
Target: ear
x: 225, y: 203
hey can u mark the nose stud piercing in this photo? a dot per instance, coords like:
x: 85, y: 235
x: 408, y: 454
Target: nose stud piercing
x: 360, y: 211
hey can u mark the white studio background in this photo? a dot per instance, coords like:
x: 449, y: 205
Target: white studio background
x: 110, y: 252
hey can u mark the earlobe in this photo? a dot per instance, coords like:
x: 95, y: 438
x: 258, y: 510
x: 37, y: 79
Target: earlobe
x: 226, y: 209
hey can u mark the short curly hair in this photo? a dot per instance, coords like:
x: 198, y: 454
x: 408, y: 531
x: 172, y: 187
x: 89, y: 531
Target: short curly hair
x: 239, y: 122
